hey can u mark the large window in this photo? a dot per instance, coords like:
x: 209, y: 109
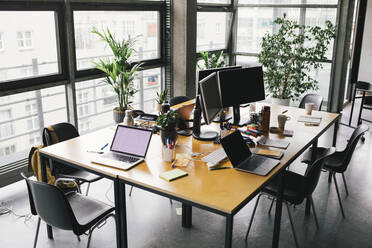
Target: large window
x: 255, y: 18
x: 144, y: 25
x: 31, y: 44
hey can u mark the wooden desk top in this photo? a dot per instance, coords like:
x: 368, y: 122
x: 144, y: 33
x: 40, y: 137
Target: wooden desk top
x: 222, y: 190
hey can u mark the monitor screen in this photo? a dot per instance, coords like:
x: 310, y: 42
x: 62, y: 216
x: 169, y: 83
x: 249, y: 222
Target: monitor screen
x: 204, y: 73
x: 210, y: 97
x: 241, y: 86
x: 130, y: 140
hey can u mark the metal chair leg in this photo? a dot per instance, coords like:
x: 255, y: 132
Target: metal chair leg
x: 338, y: 195
x: 37, y: 232
x: 292, y: 226
x: 330, y: 177
x: 271, y: 206
x: 254, y: 212
x: 346, y: 189
x: 86, y: 193
x: 78, y: 238
x: 170, y: 200
x: 313, y: 207
x: 131, y: 189
x: 97, y: 225
x: 89, y: 237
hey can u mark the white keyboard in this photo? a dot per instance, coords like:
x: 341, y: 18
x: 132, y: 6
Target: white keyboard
x: 215, y: 157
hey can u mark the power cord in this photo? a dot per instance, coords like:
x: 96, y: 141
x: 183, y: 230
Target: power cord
x: 6, y: 209
x: 106, y: 194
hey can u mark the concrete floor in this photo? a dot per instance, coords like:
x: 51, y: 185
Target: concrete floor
x: 153, y: 221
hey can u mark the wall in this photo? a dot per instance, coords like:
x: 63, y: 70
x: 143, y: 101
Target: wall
x: 366, y: 54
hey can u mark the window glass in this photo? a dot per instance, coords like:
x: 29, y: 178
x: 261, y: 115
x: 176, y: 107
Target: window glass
x: 96, y: 99
x: 287, y: 1
x: 247, y: 61
x: 22, y: 117
x: 212, y: 30
x: 214, y: 1
x: 31, y: 47
x: 141, y: 24
x: 253, y: 23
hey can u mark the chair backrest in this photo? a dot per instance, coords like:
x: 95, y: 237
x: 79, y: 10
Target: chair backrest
x: 351, y: 145
x: 50, y: 204
x: 312, y: 174
x: 312, y: 98
x: 363, y: 85
x: 61, y: 132
x: 178, y: 99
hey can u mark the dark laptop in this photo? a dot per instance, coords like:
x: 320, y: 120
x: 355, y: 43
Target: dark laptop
x: 128, y: 148
x: 242, y: 158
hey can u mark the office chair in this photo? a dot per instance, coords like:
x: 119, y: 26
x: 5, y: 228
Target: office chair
x: 312, y: 98
x: 296, y: 189
x: 339, y: 161
x: 65, y: 131
x: 72, y: 211
x: 178, y: 99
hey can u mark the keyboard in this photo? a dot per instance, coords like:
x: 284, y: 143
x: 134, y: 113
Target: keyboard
x: 215, y: 157
x: 121, y: 158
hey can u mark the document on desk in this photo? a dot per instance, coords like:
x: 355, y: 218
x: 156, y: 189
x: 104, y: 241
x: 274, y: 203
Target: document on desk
x: 309, y: 119
x: 282, y: 144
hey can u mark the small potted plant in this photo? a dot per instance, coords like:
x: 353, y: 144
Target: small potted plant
x: 120, y: 71
x: 168, y: 123
x: 290, y: 56
x: 212, y: 60
x: 161, y: 97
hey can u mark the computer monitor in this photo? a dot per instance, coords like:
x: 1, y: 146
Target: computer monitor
x: 210, y: 97
x: 240, y: 86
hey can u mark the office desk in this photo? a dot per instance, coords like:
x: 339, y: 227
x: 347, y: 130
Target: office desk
x: 222, y: 192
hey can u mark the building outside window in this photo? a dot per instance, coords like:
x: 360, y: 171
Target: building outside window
x: 7, y: 150
x: 6, y: 128
x: 1, y: 41
x: 31, y: 111
x: 24, y: 39
x: 83, y: 107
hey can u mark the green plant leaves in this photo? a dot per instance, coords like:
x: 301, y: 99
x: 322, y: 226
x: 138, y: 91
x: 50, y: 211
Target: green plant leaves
x: 120, y: 73
x: 168, y: 121
x: 212, y: 60
x: 289, y: 56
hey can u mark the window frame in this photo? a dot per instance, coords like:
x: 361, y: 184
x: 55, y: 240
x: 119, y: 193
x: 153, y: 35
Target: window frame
x: 37, y: 82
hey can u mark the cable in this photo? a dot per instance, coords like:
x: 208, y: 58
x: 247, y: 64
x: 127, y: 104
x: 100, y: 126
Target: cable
x: 5, y: 209
x: 106, y: 194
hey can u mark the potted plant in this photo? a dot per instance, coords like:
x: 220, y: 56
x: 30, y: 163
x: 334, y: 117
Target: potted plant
x: 289, y: 56
x: 120, y: 71
x: 160, y: 98
x: 168, y: 123
x: 212, y: 60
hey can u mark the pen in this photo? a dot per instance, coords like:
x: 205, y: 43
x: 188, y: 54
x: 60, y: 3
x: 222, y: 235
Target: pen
x: 103, y: 147
x: 220, y: 168
x: 285, y: 111
x: 98, y: 152
x: 174, y: 163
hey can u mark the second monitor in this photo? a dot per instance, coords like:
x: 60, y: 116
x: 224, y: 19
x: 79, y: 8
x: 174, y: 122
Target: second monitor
x: 241, y: 86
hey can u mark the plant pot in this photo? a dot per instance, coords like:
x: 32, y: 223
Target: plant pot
x: 158, y: 107
x: 279, y: 101
x: 170, y: 135
x: 118, y: 115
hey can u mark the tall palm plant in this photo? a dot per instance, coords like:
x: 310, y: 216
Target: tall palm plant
x: 119, y: 70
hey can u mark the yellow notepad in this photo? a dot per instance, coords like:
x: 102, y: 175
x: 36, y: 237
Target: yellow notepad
x: 173, y: 174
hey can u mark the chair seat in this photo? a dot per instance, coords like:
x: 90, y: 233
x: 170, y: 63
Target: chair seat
x: 292, y: 191
x: 87, y: 211
x: 81, y: 175
x: 334, y: 162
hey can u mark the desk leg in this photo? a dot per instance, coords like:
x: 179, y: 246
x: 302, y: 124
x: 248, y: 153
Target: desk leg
x: 229, y: 229
x: 45, y: 179
x: 361, y: 108
x: 352, y: 105
x: 121, y: 214
x: 278, y: 212
x: 186, y: 215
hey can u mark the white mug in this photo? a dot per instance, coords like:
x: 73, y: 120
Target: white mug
x: 282, y: 119
x: 309, y: 107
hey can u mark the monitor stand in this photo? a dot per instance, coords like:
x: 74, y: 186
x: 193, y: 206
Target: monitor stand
x: 199, y: 134
x: 225, y: 117
x: 237, y: 120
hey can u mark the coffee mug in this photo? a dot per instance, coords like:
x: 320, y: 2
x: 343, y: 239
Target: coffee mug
x: 282, y: 120
x: 309, y: 107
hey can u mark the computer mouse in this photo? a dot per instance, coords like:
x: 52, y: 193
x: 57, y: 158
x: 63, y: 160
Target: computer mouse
x: 249, y: 141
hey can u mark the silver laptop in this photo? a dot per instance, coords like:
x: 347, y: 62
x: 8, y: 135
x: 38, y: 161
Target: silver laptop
x: 128, y: 148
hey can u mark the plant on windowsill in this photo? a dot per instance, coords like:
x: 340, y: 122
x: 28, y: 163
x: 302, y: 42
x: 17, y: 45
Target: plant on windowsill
x: 120, y: 70
x: 168, y: 123
x: 212, y: 60
x: 290, y: 56
x: 161, y: 97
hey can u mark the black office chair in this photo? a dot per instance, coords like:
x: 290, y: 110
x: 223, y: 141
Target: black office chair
x: 65, y: 131
x: 296, y: 189
x: 72, y: 211
x: 339, y: 161
x: 312, y: 98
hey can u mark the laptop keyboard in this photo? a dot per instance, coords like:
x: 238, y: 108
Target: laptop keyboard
x: 122, y: 158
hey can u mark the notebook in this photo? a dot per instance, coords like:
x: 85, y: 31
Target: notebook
x: 274, y: 143
x: 173, y: 174
x: 309, y: 119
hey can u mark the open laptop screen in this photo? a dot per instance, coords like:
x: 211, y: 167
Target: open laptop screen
x: 130, y: 140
